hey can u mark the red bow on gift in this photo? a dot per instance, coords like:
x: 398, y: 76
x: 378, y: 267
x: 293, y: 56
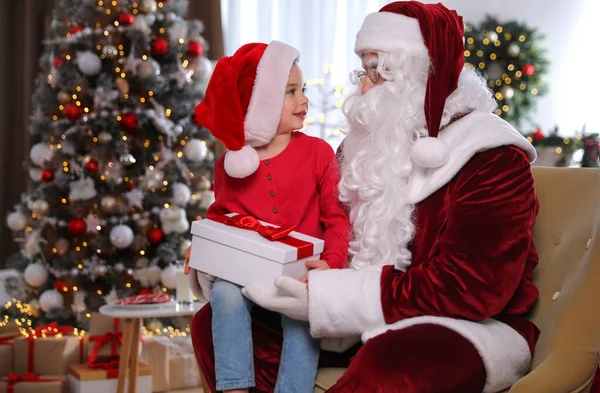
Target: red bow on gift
x: 12, y: 378
x: 102, y: 340
x: 278, y: 234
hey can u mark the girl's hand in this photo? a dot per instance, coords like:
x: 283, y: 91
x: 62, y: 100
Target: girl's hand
x: 314, y: 265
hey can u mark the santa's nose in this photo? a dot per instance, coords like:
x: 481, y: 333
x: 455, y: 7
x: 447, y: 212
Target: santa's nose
x: 366, y: 85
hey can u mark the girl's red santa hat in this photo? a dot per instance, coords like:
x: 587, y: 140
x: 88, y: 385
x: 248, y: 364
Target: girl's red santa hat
x: 243, y: 102
x: 431, y: 29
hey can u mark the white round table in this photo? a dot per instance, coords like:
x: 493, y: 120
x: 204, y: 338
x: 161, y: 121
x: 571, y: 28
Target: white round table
x: 132, y: 323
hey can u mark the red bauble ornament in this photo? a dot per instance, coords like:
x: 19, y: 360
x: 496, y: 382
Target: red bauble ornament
x: 130, y: 186
x: 76, y: 226
x: 57, y: 62
x: 195, y: 49
x: 126, y: 19
x: 155, y: 236
x: 538, y: 135
x: 129, y: 121
x: 160, y: 46
x: 72, y: 111
x: 75, y: 29
x: 145, y: 291
x: 47, y: 175
x: 528, y: 69
x: 59, y: 285
x: 91, y: 166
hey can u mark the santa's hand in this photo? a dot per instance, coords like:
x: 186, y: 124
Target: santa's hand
x: 291, y: 298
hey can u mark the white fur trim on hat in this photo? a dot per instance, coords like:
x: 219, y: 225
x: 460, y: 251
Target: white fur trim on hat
x: 266, y: 102
x: 429, y: 152
x: 241, y: 163
x: 388, y: 31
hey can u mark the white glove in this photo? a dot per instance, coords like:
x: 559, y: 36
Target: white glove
x: 291, y: 299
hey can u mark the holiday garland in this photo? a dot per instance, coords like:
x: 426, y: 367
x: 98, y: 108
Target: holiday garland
x: 508, y: 54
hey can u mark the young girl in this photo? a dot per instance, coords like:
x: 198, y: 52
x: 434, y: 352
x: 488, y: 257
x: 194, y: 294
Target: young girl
x: 254, y: 102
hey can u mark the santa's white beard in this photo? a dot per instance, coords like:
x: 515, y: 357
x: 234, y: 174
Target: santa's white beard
x: 383, y: 126
x: 375, y: 169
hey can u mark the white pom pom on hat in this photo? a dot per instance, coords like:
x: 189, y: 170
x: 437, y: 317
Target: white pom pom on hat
x: 429, y: 152
x: 241, y: 163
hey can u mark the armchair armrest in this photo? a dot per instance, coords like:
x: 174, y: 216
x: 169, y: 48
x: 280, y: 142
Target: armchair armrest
x: 560, y: 372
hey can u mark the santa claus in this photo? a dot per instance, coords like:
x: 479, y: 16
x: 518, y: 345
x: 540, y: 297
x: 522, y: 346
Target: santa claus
x: 442, y: 202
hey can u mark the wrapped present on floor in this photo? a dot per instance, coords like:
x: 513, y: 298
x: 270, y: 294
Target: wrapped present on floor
x: 6, y: 352
x: 7, y: 328
x: 246, y: 251
x: 48, y: 350
x: 32, y: 383
x: 172, y: 362
x: 83, y: 379
x: 105, y: 337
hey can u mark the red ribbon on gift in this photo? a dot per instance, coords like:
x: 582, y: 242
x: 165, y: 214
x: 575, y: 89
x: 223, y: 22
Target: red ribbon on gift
x: 114, y: 339
x: 50, y: 330
x: 11, y: 379
x: 275, y: 234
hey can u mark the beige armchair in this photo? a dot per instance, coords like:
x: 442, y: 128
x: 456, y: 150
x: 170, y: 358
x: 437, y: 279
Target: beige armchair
x: 568, y: 277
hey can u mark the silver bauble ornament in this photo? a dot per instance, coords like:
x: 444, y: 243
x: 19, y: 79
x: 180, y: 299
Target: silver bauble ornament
x: 110, y: 51
x: 89, y: 63
x: 149, y: 68
x: 154, y: 179
x: 493, y: 36
x: 494, y: 71
x: 181, y: 194
x: 168, y: 277
x: 121, y: 236
x: 195, y: 150
x: 40, y: 153
x: 108, y: 204
x: 104, y: 137
x: 16, y: 221
x: 202, y: 67
x: 35, y: 274
x: 51, y: 299
x: 63, y: 97
x: 148, y: 6
x: 514, y: 50
x: 507, y: 91
x: 170, y: 17
x: 40, y: 207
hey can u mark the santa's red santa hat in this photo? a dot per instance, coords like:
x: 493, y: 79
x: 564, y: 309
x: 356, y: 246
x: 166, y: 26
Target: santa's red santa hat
x: 415, y: 27
x: 244, y: 99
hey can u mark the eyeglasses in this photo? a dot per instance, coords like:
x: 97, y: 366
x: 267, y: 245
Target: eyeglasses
x: 372, y: 73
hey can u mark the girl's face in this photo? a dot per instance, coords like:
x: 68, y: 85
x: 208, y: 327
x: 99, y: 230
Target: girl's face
x: 295, y: 104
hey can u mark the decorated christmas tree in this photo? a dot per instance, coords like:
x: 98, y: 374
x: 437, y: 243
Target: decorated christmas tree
x: 119, y: 168
x: 510, y: 56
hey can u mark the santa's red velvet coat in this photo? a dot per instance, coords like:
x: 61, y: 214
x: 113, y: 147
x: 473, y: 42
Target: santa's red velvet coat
x: 455, y: 320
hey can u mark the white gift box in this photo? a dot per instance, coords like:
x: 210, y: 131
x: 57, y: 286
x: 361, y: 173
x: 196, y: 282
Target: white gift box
x: 244, y: 257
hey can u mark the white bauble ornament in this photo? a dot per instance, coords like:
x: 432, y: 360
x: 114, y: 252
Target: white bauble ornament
x: 89, y: 63
x: 153, y: 275
x: 168, y: 277
x: 40, y: 153
x: 148, y: 6
x: 195, y: 150
x: 208, y: 197
x: 148, y: 68
x: 202, y: 67
x: 121, y: 236
x: 181, y: 194
x: 62, y: 246
x: 183, y: 247
x: 154, y: 178
x: 35, y: 174
x: 508, y: 92
x: 170, y: 17
x: 494, y: 71
x: 35, y: 274
x: 514, y: 50
x: 104, y: 137
x: 51, y: 299
x: 40, y: 207
x: 493, y: 36
x: 16, y: 221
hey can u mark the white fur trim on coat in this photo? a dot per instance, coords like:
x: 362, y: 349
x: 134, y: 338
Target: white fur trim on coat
x: 472, y: 134
x: 201, y: 285
x: 344, y: 302
x: 504, y: 352
x: 266, y: 102
x: 387, y: 31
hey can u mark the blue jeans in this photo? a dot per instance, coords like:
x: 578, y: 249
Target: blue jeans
x: 232, y: 337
